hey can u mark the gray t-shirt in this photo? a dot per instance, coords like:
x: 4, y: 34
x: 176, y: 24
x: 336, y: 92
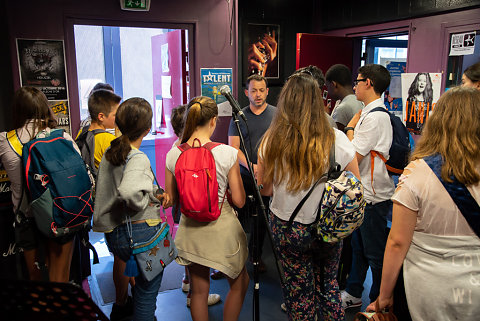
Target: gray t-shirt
x: 345, y: 111
x: 257, y: 126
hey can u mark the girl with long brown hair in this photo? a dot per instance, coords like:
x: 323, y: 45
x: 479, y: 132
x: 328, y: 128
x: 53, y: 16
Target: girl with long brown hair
x: 219, y: 244
x: 31, y: 117
x: 294, y: 155
x: 429, y: 235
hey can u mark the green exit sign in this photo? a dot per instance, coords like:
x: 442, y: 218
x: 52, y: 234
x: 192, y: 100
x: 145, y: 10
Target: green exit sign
x: 138, y: 5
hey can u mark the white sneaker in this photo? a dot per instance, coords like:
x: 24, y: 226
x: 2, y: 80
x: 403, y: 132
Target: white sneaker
x: 185, y: 285
x: 213, y: 298
x: 350, y: 301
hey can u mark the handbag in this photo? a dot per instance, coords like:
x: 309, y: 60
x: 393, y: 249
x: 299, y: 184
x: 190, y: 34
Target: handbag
x: 459, y: 194
x: 340, y: 210
x: 154, y: 255
x: 376, y: 316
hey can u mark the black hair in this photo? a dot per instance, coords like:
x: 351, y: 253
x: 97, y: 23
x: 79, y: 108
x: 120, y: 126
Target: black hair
x: 378, y: 75
x: 340, y: 74
x: 473, y: 72
x: 256, y: 77
x: 315, y: 72
x: 177, y: 119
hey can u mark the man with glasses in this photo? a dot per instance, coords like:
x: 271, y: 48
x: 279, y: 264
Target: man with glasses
x: 370, y: 131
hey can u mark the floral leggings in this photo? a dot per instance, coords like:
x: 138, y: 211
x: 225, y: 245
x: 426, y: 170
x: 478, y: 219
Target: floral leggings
x: 310, y: 268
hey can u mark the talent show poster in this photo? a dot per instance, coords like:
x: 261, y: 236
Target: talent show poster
x: 420, y: 92
x: 212, y: 79
x: 42, y: 65
x: 393, y: 95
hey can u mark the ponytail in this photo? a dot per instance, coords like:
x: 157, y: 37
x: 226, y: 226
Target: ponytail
x: 199, y: 112
x: 118, y: 151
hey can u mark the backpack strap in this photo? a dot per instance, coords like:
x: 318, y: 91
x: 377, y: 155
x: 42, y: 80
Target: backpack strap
x: 14, y: 142
x: 459, y: 193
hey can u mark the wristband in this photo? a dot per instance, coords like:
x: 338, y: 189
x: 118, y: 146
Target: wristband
x: 346, y: 129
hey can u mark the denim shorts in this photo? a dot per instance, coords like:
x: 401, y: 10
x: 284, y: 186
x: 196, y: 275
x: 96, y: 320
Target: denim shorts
x: 118, y: 241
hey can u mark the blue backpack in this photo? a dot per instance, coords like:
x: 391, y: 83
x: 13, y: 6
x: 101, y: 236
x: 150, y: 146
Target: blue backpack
x: 400, y: 149
x: 57, y: 182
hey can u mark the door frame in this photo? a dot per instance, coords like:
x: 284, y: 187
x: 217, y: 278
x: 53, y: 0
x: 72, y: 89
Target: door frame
x: 71, y: 61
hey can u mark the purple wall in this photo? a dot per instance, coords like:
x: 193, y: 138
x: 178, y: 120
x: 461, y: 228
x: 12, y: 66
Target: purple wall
x: 428, y: 37
x: 210, y: 39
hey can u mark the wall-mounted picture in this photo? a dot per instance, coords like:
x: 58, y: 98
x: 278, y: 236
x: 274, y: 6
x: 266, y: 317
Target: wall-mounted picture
x: 261, y: 50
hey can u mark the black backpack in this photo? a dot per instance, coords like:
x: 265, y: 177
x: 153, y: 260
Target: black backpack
x: 400, y: 149
x: 86, y: 143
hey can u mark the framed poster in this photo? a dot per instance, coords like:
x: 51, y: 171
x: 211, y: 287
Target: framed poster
x: 42, y: 65
x: 261, y: 51
x: 211, y: 80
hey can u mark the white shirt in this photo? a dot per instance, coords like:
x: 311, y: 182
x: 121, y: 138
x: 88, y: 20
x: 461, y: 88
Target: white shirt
x: 225, y: 157
x: 374, y: 132
x: 283, y: 203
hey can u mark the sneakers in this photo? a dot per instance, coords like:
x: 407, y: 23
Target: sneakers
x: 122, y: 312
x: 350, y: 301
x: 185, y: 285
x: 213, y: 298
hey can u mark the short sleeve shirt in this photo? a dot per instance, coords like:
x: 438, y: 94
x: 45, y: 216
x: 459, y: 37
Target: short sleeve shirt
x: 225, y: 157
x: 347, y: 108
x: 283, y: 202
x: 374, y: 132
x: 257, y: 126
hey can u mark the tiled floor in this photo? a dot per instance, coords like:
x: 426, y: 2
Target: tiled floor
x: 171, y: 304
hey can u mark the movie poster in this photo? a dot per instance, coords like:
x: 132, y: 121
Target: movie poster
x: 393, y: 94
x: 420, y: 92
x: 42, y: 65
x: 60, y: 109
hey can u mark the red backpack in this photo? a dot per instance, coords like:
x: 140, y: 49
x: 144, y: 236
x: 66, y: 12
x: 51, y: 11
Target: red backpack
x: 197, y: 184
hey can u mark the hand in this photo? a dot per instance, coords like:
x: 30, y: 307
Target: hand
x: 353, y: 122
x: 256, y: 59
x: 165, y: 199
x: 382, y: 304
x: 270, y: 45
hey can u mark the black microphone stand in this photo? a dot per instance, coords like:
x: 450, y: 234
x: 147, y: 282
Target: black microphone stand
x: 255, y: 256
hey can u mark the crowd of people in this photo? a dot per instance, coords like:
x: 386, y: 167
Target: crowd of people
x: 433, y: 243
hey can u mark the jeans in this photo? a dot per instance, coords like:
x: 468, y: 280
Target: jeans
x: 368, y: 247
x: 145, y: 298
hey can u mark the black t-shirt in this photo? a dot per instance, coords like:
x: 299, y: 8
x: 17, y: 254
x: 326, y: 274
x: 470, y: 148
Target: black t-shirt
x: 257, y: 125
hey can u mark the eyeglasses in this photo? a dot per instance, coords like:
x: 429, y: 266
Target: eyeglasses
x: 355, y: 83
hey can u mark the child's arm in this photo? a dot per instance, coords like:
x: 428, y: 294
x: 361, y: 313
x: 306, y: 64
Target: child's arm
x: 170, y: 190
x: 236, y: 185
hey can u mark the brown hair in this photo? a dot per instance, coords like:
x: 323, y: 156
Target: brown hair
x: 199, y: 112
x: 473, y: 72
x: 102, y: 101
x: 453, y: 131
x: 256, y: 77
x: 177, y: 119
x: 134, y: 118
x: 29, y: 103
x: 296, y: 147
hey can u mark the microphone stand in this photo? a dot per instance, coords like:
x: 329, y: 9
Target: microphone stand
x: 255, y: 256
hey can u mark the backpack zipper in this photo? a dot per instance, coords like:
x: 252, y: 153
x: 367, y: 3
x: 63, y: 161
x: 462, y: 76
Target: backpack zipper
x: 208, y: 191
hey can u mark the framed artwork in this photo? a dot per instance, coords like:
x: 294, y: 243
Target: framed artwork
x: 261, y: 51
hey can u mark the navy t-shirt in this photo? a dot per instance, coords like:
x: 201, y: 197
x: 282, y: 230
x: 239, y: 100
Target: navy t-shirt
x: 257, y: 126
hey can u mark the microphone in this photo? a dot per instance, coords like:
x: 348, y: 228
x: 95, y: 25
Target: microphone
x: 225, y: 91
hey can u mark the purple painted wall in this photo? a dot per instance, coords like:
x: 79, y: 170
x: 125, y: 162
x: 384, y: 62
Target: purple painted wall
x: 428, y: 37
x: 209, y: 20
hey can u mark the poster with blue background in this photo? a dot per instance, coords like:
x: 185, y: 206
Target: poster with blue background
x: 393, y: 95
x: 212, y: 79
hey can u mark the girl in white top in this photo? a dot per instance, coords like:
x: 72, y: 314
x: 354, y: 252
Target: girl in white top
x: 220, y: 244
x: 430, y: 237
x: 294, y: 154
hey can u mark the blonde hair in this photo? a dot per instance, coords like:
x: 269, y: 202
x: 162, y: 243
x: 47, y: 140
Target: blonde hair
x: 453, y: 131
x: 296, y: 147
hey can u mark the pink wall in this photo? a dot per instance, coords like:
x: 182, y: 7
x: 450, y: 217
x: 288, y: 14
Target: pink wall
x: 53, y: 19
x: 428, y: 37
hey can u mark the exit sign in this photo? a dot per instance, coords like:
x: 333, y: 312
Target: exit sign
x: 135, y: 5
